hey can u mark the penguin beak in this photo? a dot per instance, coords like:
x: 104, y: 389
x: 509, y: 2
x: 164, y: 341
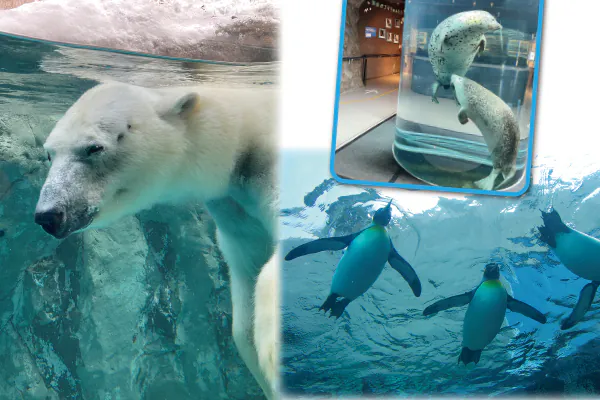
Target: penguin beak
x: 383, y: 215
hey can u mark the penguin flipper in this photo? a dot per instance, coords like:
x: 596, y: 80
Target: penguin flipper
x: 316, y: 246
x: 405, y: 269
x: 586, y: 298
x: 553, y: 224
x: 450, y: 302
x: 468, y: 356
x: 525, y: 309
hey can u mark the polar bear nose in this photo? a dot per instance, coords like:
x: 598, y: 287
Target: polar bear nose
x: 50, y: 220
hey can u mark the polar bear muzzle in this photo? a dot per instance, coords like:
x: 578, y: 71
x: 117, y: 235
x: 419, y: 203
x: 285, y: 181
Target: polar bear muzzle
x: 66, y: 204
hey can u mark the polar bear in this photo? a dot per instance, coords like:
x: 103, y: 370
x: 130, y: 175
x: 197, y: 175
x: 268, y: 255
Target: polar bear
x: 121, y: 148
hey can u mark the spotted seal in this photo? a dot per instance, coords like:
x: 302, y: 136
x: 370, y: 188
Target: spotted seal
x: 497, y: 123
x: 454, y: 44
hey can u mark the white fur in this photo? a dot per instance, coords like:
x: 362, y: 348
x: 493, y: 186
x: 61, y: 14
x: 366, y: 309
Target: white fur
x: 186, y: 143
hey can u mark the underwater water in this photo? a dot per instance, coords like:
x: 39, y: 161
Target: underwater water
x: 430, y: 142
x: 382, y: 344
x: 140, y: 310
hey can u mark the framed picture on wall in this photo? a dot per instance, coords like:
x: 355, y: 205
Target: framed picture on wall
x: 381, y: 33
x: 390, y: 36
x: 396, y: 38
x: 397, y: 22
x: 388, y: 23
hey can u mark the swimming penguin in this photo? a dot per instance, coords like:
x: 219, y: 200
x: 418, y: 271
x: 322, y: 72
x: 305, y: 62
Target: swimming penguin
x: 454, y: 44
x: 487, y: 306
x: 497, y: 123
x: 360, y: 266
x: 580, y: 253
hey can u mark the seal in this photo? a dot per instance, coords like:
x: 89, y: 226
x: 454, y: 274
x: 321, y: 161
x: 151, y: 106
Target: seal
x: 454, y: 44
x: 368, y: 252
x: 487, y: 307
x: 497, y: 123
x: 579, y: 253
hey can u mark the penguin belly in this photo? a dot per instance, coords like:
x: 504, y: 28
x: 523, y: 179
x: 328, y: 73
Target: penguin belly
x: 485, y: 315
x: 580, y: 253
x: 362, y: 263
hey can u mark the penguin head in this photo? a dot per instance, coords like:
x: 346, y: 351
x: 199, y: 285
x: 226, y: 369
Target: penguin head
x: 492, y: 271
x: 383, y: 216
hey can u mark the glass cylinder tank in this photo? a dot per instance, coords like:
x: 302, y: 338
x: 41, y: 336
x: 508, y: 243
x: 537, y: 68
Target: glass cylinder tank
x: 430, y: 142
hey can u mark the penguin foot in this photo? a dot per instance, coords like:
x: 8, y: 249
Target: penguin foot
x: 468, y: 356
x: 336, y: 307
x: 435, y: 100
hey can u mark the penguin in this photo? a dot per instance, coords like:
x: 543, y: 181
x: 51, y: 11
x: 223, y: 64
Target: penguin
x: 580, y: 253
x: 497, y: 123
x: 487, y: 307
x: 360, y: 266
x: 454, y: 44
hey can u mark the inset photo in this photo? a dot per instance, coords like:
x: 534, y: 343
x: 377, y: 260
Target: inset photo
x: 446, y: 103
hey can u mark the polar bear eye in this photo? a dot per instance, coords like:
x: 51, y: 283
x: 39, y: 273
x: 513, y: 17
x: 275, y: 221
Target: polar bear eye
x: 94, y: 149
x: 49, y: 158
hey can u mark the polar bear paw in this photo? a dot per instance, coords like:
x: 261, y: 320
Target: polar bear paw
x: 267, y: 321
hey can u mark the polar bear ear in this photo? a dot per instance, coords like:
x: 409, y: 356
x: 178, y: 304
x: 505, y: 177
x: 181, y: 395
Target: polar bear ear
x: 185, y: 106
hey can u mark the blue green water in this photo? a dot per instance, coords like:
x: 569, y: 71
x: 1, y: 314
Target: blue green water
x: 383, y: 344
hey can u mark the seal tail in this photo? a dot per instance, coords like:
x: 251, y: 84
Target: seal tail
x: 336, y: 307
x: 553, y: 225
x: 508, y: 175
x: 487, y: 183
x: 469, y: 356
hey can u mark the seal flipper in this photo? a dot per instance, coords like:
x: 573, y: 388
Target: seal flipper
x: 337, y: 307
x: 508, y: 175
x: 434, y: 89
x: 482, y: 46
x: 488, y: 182
x: 586, y: 298
x: 316, y: 246
x: 552, y: 225
x: 405, y: 269
x: 456, y: 98
x: 462, y: 116
x: 522, y: 308
x: 468, y: 356
x: 450, y: 302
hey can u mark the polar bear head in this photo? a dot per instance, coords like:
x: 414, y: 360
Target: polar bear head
x: 119, y: 149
